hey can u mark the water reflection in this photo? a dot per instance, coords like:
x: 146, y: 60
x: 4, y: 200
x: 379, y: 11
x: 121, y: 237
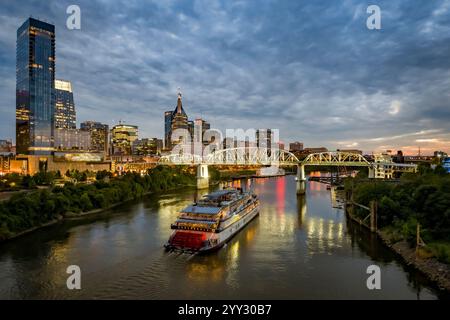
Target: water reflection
x: 298, y: 247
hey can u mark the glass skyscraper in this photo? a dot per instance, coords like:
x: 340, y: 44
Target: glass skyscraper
x: 65, y: 116
x: 35, y: 78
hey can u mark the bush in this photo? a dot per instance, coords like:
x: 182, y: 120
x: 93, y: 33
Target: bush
x: 441, y: 251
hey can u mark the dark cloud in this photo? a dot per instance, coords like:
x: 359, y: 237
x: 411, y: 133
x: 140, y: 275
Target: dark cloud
x: 310, y: 68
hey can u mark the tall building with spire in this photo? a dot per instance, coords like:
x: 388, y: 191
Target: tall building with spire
x: 35, y: 84
x: 173, y: 120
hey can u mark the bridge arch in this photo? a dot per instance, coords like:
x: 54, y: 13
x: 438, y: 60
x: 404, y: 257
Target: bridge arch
x: 235, y: 156
x: 336, y: 158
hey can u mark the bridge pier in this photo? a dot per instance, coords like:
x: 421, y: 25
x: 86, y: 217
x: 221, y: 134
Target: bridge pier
x: 301, y: 179
x: 202, y: 176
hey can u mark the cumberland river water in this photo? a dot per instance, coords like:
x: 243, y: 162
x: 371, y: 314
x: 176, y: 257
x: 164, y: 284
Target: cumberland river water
x: 298, y: 248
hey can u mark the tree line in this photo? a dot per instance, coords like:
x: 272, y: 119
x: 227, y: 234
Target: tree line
x: 422, y: 198
x: 26, y: 210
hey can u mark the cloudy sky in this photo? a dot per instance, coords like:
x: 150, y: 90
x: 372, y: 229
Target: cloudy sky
x: 309, y: 68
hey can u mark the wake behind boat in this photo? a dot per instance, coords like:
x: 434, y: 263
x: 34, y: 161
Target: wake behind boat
x: 212, y: 221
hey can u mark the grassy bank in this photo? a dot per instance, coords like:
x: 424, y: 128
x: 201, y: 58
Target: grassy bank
x: 27, y: 211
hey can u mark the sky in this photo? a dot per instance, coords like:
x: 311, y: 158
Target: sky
x: 310, y: 68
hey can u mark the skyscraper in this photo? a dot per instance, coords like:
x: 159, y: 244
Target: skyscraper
x: 35, y: 82
x: 174, y: 120
x: 167, y: 129
x: 264, y: 139
x: 65, y: 116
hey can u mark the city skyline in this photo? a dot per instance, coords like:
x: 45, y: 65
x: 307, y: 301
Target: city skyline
x: 236, y: 78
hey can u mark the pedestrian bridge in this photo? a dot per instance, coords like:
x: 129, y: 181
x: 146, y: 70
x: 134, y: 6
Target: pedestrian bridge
x: 264, y: 157
x: 235, y: 156
x: 276, y: 157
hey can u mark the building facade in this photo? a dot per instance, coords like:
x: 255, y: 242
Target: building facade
x: 355, y: 151
x: 295, y: 146
x: 174, y: 120
x: 264, y: 140
x: 167, y: 129
x: 145, y: 147
x: 65, y: 116
x: 198, y: 132
x: 35, y: 81
x: 99, y: 134
x: 383, y: 167
x: 72, y: 139
x: 122, y: 138
x: 6, y: 146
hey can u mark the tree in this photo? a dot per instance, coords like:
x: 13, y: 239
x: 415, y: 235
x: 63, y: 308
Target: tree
x: 440, y: 170
x: 85, y: 202
x: 28, y: 182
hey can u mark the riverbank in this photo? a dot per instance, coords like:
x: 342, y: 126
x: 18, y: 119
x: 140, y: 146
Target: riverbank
x: 435, y: 271
x: 75, y: 216
x: 27, y: 211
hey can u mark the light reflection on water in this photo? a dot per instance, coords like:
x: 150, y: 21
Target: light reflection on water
x: 298, y: 247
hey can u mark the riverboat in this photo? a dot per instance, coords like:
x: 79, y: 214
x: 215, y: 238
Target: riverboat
x: 211, y: 222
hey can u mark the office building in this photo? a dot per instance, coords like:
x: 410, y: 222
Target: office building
x: 295, y: 146
x: 122, y: 138
x: 65, y: 116
x: 99, y: 134
x: 264, y: 140
x: 198, y: 132
x: 167, y: 129
x: 35, y: 81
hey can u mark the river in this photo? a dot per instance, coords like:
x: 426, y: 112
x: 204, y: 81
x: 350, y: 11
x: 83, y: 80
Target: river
x: 297, y: 248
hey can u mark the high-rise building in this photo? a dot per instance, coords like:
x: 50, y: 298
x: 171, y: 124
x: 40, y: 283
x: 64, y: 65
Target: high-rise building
x: 167, y: 129
x: 295, y: 146
x: 123, y: 136
x: 200, y: 125
x: 65, y: 116
x: 35, y: 81
x: 264, y: 139
x: 99, y: 134
x: 178, y: 119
